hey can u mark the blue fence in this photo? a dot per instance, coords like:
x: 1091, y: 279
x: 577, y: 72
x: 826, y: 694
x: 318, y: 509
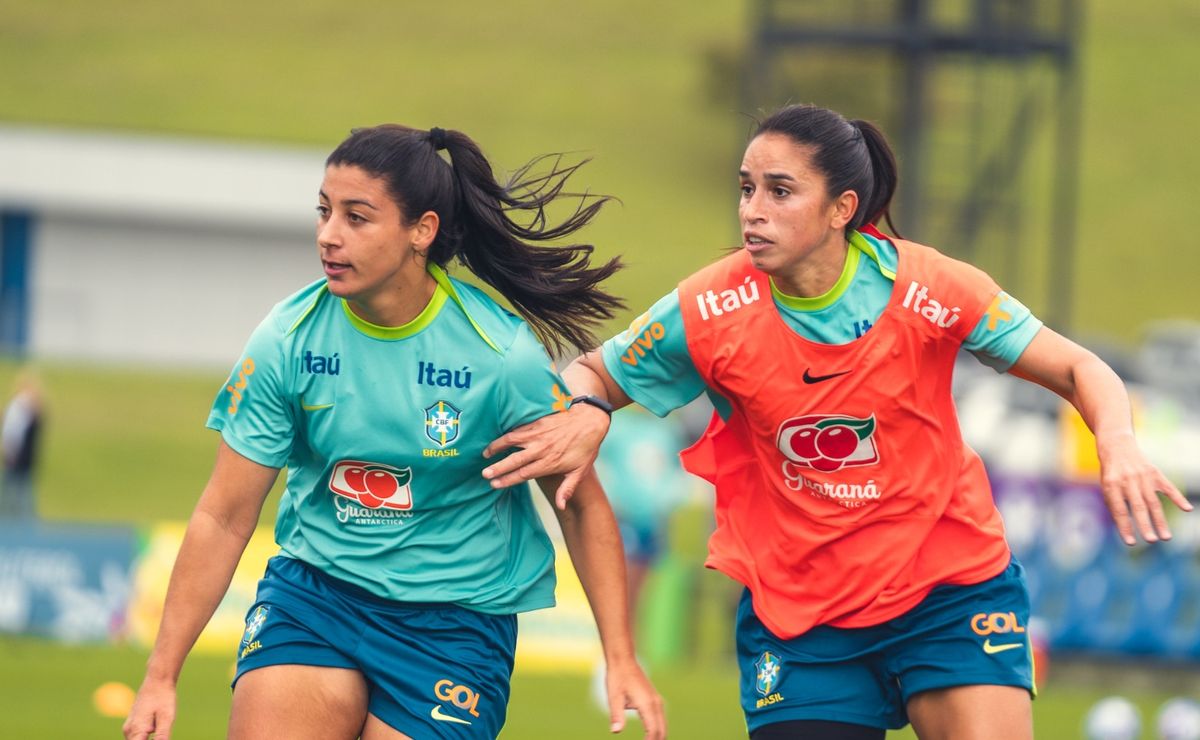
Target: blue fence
x: 67, y: 582
x: 1091, y: 592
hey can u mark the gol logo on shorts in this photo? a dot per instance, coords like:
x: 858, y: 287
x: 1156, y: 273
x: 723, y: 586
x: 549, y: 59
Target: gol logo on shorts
x: 996, y: 623
x: 460, y: 696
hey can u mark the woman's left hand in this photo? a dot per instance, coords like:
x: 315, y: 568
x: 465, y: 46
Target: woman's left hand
x: 1131, y: 484
x: 628, y: 688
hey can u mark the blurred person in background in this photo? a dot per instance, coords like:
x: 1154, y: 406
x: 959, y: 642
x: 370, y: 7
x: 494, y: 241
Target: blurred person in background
x: 638, y: 466
x: 879, y: 589
x: 390, y: 611
x: 20, y: 439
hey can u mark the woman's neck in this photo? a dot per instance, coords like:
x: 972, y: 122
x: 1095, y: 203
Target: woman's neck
x: 397, y: 304
x: 817, y: 273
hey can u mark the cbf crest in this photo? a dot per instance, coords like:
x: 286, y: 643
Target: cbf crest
x: 442, y: 423
x: 766, y: 671
x: 254, y: 623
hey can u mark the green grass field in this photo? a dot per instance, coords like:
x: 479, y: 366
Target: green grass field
x: 47, y: 692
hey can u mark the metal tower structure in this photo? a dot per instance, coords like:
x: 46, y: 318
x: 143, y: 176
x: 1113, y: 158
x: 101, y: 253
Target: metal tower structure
x: 980, y: 99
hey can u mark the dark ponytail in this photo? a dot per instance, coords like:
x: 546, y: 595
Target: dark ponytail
x: 554, y: 288
x: 852, y: 155
x: 885, y: 176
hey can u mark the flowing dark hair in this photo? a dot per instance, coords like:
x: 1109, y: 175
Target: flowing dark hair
x: 555, y: 289
x: 852, y: 155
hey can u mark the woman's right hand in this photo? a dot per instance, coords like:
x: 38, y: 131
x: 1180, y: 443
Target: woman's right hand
x: 153, y: 712
x: 564, y: 444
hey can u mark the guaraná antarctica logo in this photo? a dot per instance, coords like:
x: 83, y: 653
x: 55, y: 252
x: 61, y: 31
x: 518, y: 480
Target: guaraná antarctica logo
x: 828, y: 442
x: 373, y: 485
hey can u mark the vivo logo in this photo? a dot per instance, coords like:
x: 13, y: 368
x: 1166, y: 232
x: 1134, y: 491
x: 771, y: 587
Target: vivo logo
x: 236, y: 387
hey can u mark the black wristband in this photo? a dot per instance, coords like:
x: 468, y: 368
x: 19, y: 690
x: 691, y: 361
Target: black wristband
x: 599, y: 403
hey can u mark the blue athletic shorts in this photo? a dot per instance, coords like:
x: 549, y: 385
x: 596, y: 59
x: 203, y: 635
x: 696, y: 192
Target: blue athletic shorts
x: 433, y: 670
x: 643, y: 542
x: 957, y: 636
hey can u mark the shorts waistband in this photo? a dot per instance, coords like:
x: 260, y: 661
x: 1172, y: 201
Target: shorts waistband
x: 358, y: 592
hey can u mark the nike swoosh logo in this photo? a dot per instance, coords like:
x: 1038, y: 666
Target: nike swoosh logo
x: 440, y: 716
x: 991, y: 649
x: 314, y: 407
x: 808, y: 378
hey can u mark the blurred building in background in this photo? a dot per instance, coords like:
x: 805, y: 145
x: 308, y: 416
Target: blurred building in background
x: 137, y: 249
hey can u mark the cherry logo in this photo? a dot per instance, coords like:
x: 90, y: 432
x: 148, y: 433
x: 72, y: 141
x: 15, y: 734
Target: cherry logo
x: 828, y: 442
x: 373, y: 485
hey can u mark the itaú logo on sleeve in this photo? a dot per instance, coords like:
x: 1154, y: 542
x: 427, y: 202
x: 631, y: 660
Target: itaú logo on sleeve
x: 917, y: 298
x: 828, y: 442
x: 374, y: 485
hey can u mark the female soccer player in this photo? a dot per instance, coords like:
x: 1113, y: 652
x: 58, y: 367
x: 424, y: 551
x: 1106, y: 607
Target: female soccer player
x: 879, y: 587
x: 390, y: 611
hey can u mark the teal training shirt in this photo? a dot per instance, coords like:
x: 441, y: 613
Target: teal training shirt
x: 382, y: 431
x: 651, y: 362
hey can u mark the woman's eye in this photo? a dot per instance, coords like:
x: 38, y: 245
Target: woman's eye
x: 323, y: 211
x: 354, y: 218
x: 782, y: 192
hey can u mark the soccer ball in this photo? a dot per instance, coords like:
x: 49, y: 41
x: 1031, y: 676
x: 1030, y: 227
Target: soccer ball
x: 1178, y: 719
x: 1113, y: 718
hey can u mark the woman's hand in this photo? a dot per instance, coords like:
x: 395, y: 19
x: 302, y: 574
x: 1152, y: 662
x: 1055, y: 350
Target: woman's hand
x: 1131, y: 485
x: 564, y: 444
x: 628, y: 688
x: 1129, y: 482
x: 153, y: 712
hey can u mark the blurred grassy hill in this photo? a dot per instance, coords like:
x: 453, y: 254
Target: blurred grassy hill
x: 628, y: 83
x: 622, y: 82
x: 1138, y: 182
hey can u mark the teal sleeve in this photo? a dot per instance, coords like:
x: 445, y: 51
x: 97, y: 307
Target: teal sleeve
x: 530, y: 388
x: 1003, y: 333
x: 650, y: 359
x: 251, y: 410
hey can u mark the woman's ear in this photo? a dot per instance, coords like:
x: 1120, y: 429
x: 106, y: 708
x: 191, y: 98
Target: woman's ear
x: 424, y: 232
x: 843, y: 209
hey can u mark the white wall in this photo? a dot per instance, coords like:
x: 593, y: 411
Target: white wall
x: 150, y: 249
x: 161, y: 293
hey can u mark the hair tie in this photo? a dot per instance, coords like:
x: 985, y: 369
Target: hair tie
x: 437, y: 137
x: 856, y: 124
